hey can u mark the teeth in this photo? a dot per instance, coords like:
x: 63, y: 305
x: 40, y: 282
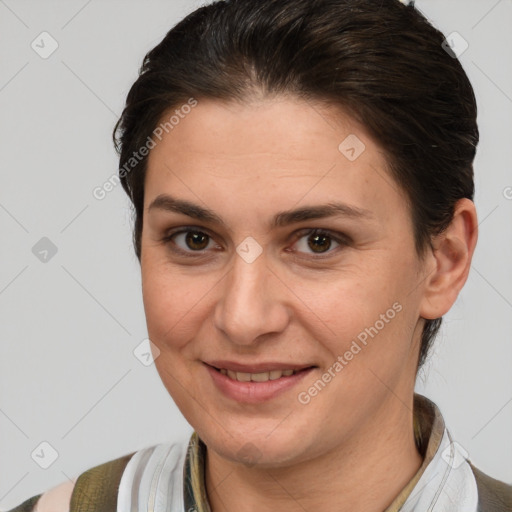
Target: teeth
x: 257, y: 377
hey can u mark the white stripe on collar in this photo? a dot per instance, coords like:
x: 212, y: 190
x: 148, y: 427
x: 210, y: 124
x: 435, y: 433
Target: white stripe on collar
x: 153, y: 479
x: 448, y: 483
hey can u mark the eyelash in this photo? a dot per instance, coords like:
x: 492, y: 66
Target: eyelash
x: 339, y: 238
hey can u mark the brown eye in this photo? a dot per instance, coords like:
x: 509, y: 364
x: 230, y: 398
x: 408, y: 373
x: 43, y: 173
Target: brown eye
x: 189, y: 241
x: 318, y: 241
x: 196, y: 240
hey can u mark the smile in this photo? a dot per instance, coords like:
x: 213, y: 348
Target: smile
x: 257, y: 377
x: 262, y: 384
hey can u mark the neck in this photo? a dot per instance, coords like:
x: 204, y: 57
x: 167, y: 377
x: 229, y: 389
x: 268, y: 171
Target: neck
x: 364, y: 474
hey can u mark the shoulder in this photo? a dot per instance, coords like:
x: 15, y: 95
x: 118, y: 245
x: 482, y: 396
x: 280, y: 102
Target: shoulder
x: 56, y: 499
x: 103, y: 486
x: 97, y: 485
x: 493, y: 495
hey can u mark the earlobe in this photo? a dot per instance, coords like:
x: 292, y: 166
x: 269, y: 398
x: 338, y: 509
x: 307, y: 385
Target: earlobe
x: 452, y: 254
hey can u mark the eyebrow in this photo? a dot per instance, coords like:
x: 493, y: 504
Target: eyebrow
x: 171, y: 204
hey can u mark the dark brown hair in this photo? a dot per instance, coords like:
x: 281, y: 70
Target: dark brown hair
x: 380, y: 60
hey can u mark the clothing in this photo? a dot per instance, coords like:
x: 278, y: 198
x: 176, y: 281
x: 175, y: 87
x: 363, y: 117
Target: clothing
x: 160, y: 478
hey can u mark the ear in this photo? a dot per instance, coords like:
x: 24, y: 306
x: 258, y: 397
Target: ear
x: 451, y: 260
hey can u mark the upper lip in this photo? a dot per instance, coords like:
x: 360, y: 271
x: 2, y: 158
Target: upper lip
x: 256, y: 367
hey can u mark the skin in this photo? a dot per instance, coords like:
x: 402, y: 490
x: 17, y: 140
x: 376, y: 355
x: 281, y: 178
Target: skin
x: 292, y: 304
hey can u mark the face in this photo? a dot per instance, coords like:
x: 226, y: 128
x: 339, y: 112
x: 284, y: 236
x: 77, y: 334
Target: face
x: 272, y: 242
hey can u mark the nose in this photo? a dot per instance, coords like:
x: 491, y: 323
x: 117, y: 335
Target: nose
x: 252, y: 302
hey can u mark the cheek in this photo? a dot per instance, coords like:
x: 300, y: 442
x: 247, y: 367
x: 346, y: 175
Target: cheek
x: 349, y: 302
x: 171, y: 304
x: 169, y: 310
x: 366, y: 315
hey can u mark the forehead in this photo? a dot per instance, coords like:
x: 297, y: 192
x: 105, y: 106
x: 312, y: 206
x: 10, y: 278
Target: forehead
x: 281, y: 125
x: 279, y: 148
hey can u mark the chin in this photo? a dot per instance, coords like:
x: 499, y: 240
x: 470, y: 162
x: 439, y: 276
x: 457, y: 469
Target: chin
x: 257, y: 449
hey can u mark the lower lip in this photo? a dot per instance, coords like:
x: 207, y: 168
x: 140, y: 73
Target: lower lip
x: 255, y: 392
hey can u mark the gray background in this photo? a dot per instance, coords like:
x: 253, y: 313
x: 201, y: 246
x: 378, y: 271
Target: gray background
x: 68, y: 328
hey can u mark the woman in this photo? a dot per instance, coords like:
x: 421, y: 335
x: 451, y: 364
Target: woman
x: 302, y: 180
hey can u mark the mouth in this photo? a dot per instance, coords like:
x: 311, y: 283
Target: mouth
x: 259, y: 376
x: 255, y: 384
